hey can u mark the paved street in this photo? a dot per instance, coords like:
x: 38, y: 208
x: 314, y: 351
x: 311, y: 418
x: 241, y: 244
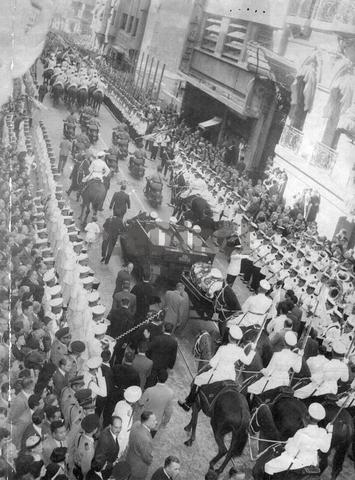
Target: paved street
x: 170, y: 440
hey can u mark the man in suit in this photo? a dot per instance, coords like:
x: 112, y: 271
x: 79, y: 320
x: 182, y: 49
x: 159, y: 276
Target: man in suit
x: 61, y: 375
x: 124, y: 376
x: 107, y: 448
x: 173, y: 305
x: 112, y: 227
x: 159, y: 399
x: 162, y: 351
x: 120, y: 202
x: 143, y: 291
x: 107, y: 374
x: 142, y: 365
x: 55, y: 440
x: 125, y: 293
x: 140, y: 446
x: 170, y: 471
x: 123, y: 275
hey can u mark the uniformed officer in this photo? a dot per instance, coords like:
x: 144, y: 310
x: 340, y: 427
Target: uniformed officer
x: 222, y: 365
x: 67, y: 397
x: 276, y: 374
x: 94, y: 379
x: 59, y: 347
x: 301, y: 450
x: 75, y: 351
x: 95, y: 347
x: 124, y: 410
x: 84, y: 446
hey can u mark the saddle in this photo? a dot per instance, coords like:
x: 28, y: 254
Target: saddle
x: 276, y: 394
x: 303, y: 473
x: 209, y: 393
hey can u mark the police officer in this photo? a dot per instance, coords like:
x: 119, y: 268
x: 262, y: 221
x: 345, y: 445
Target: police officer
x: 60, y: 345
x: 84, y: 446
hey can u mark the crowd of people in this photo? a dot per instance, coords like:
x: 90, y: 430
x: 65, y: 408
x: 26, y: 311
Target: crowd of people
x: 72, y: 387
x: 89, y: 393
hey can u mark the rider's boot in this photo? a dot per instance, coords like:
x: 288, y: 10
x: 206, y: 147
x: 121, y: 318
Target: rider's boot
x: 190, y: 399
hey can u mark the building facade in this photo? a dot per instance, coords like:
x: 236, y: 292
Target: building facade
x: 120, y: 32
x: 317, y: 144
x: 233, y: 76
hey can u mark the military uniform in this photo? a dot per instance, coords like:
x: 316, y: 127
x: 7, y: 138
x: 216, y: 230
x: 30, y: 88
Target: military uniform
x: 84, y: 451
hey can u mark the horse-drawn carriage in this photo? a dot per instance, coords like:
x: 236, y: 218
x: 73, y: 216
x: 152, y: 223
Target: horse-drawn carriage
x: 163, y: 249
x: 205, y: 287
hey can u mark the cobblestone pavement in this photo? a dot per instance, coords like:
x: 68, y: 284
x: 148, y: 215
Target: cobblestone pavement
x: 170, y: 440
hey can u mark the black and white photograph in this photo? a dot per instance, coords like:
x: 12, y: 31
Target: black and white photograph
x: 177, y: 240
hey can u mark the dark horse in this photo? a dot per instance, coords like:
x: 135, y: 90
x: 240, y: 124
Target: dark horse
x: 97, y: 98
x: 82, y: 96
x: 71, y: 93
x: 93, y: 194
x: 229, y: 413
x: 280, y: 421
x: 57, y: 92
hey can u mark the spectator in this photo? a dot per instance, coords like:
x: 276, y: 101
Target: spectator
x: 107, y: 448
x: 140, y: 446
x: 170, y: 470
x: 142, y: 364
x: 112, y: 228
x: 162, y: 351
x: 120, y: 202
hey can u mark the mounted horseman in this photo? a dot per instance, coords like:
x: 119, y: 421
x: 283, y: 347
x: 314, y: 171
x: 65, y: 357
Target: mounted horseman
x: 82, y: 91
x: 58, y: 88
x: 216, y: 393
x: 98, y: 95
x: 94, y: 191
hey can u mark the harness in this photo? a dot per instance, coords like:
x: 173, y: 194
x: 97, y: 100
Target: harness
x: 196, y: 349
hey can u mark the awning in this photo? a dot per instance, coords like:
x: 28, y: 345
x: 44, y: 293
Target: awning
x: 210, y: 123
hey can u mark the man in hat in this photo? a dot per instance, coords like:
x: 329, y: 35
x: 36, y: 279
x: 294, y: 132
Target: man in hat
x: 67, y: 397
x: 55, y: 440
x: 254, y: 308
x: 84, y: 446
x: 94, y: 379
x: 302, y: 449
x: 95, y: 345
x: 326, y: 374
x: 34, y: 447
x: 60, y: 345
x: 75, y: 351
x: 276, y: 374
x: 222, y: 365
x: 124, y: 410
x: 98, y: 168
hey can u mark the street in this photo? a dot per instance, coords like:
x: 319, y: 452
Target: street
x: 169, y: 441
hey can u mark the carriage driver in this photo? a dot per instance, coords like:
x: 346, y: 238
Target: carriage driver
x: 98, y: 168
x: 222, y: 365
x: 301, y: 450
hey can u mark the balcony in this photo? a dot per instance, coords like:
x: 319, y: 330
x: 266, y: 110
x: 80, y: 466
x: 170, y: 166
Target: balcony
x: 323, y: 157
x: 300, y: 12
x: 334, y: 15
x: 291, y: 139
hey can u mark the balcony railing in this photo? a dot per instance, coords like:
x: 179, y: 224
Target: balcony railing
x: 323, y: 157
x: 291, y: 139
x: 301, y: 8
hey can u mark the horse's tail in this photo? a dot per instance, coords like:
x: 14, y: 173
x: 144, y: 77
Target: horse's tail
x: 240, y: 430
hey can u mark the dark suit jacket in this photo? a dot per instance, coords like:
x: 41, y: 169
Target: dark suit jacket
x: 121, y: 321
x: 162, y: 350
x: 143, y: 366
x: 106, y: 451
x: 59, y: 381
x: 120, y: 203
x: 160, y: 475
x: 122, y: 276
x: 143, y: 292
x: 139, y: 454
